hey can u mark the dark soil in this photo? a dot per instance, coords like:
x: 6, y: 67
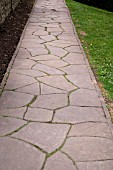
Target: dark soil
x: 10, y: 33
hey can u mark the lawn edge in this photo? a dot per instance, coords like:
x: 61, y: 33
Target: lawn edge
x: 6, y: 75
x: 93, y: 78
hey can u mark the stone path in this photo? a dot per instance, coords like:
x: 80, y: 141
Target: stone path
x: 51, y: 115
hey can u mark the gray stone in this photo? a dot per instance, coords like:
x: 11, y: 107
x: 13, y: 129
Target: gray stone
x: 8, y: 125
x: 40, y: 33
x: 50, y: 90
x: 23, y: 53
x: 98, y: 165
x: 58, y: 82
x: 19, y: 112
x: 14, y: 99
x: 30, y: 89
x: 49, y: 137
x: 47, y: 69
x: 89, y: 148
x: 18, y: 155
x: 36, y: 114
x: 23, y: 64
x: 84, y: 97
x: 48, y: 38
x: 31, y: 73
x: 54, y: 63
x: 91, y: 129
x: 74, y: 49
x: 60, y: 162
x: 82, y: 81
x: 74, y: 115
x: 37, y: 51
x: 45, y: 57
x: 74, y: 58
x: 76, y: 69
x: 60, y: 52
x: 52, y: 101
x: 16, y: 81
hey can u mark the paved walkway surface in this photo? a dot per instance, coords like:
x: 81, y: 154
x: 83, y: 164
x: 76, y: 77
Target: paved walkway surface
x: 51, y: 115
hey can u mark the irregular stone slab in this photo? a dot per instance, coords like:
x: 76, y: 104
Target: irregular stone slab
x: 91, y: 129
x: 50, y: 90
x: 47, y: 69
x: 74, y: 49
x: 59, y: 161
x: 45, y: 57
x: 16, y: 81
x: 37, y: 134
x: 54, y: 63
x: 23, y: 64
x: 14, y: 99
x: 23, y: 53
x: 37, y: 51
x: 8, y: 125
x: 48, y: 37
x: 54, y: 82
x: 19, y: 112
x: 36, y: 114
x: 31, y: 45
x: 61, y: 43
x: 31, y: 73
x: 23, y: 156
x: 52, y: 101
x: 98, y: 165
x: 68, y: 37
x: 84, y: 97
x: 76, y: 69
x: 40, y: 32
x: 73, y: 114
x: 82, y: 81
x: 30, y: 89
x: 89, y: 148
x: 74, y: 58
x: 57, y: 29
x: 60, y: 52
x: 33, y: 39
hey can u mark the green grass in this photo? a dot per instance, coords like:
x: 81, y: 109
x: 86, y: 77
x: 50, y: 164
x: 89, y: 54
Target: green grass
x: 98, y: 41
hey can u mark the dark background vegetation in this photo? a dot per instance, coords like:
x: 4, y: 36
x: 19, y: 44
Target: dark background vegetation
x: 103, y: 4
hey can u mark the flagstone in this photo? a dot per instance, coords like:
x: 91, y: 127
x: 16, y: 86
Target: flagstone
x: 40, y: 136
x: 54, y: 63
x: 50, y: 90
x: 30, y: 89
x: 11, y: 99
x: 23, y: 64
x: 23, y: 155
x: 18, y: 112
x: 58, y: 82
x: 45, y: 57
x: 84, y: 97
x: 51, y: 101
x: 60, y: 52
x: 8, y: 125
x: 31, y: 73
x: 74, y: 58
x: 59, y: 161
x: 37, y: 51
x: 91, y: 129
x: 37, y: 114
x: 16, y: 80
x: 89, y: 148
x: 73, y: 114
x: 74, y: 49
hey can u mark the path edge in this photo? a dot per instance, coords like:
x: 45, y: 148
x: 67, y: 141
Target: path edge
x: 6, y: 75
x: 104, y: 106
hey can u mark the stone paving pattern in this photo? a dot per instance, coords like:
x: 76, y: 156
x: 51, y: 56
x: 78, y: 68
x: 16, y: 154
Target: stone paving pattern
x: 51, y: 116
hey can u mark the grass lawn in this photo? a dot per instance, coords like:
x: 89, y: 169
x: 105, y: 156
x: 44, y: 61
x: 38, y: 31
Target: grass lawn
x: 95, y: 30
